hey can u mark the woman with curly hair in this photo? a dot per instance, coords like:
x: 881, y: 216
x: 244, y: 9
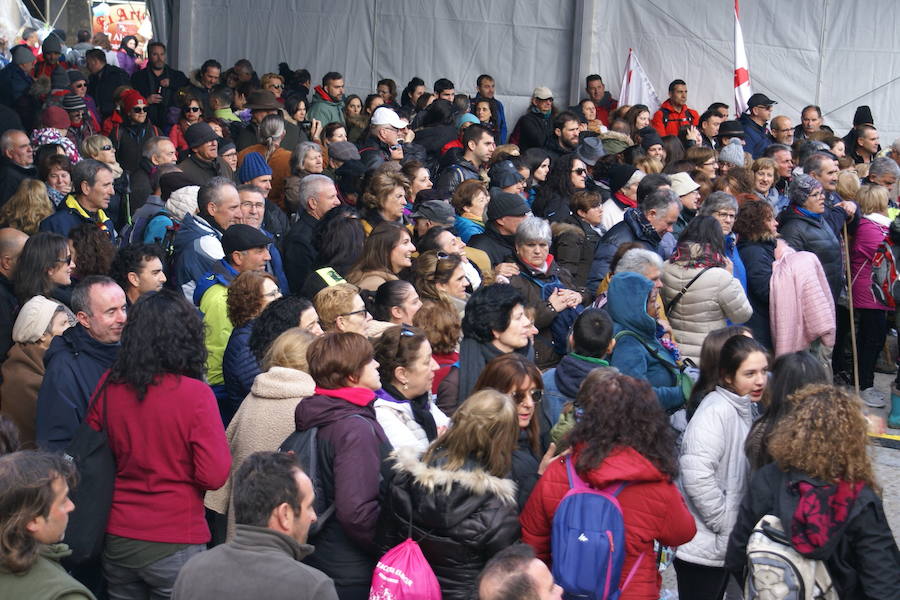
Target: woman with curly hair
x: 385, y: 200
x: 822, y: 488
x: 93, y: 249
x: 387, y: 252
x: 714, y: 470
x: 621, y: 441
x: 27, y: 207
x: 163, y: 428
x: 248, y: 295
x: 441, y: 279
x: 443, y: 328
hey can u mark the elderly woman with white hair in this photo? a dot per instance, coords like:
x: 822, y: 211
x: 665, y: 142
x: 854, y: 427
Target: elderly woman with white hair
x: 724, y: 207
x: 548, y: 289
x: 39, y: 321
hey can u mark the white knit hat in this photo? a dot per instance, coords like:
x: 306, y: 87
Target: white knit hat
x: 183, y: 201
x: 733, y: 153
x: 34, y: 319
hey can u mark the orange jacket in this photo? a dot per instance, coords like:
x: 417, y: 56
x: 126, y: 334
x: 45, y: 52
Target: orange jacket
x: 667, y: 120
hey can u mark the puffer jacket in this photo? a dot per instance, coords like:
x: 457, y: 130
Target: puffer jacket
x: 239, y: 368
x: 758, y: 257
x: 574, y: 244
x: 804, y: 233
x: 627, y: 307
x: 460, y: 518
x: 455, y: 174
x: 263, y: 421
x: 499, y: 248
x: 399, y: 424
x: 870, y: 232
x: 855, y: 540
x: 529, y: 282
x: 714, y: 297
x: 561, y: 383
x: 197, y: 248
x: 714, y: 473
x: 652, y: 509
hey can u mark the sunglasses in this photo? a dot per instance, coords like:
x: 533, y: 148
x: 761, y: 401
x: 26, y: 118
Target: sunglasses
x: 579, y: 171
x: 106, y: 148
x: 277, y: 86
x: 67, y: 260
x: 192, y: 109
x: 79, y: 85
x: 535, y: 395
x: 139, y: 109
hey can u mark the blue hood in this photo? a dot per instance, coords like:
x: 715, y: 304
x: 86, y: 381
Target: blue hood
x: 627, y: 304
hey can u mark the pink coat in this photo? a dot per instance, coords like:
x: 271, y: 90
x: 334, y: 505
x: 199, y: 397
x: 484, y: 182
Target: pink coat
x: 801, y: 308
x: 870, y: 233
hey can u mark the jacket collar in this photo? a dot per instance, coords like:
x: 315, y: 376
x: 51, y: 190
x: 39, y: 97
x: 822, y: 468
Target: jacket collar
x: 256, y: 539
x: 72, y: 204
x: 740, y: 403
x: 357, y: 396
x: 475, y: 479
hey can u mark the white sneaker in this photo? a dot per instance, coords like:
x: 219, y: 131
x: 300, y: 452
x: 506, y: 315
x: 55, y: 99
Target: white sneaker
x: 873, y: 398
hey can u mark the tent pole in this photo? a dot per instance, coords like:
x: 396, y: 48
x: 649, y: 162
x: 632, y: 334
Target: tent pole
x: 821, y: 51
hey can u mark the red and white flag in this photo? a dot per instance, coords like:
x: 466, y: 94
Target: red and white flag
x: 742, y: 90
x: 636, y: 86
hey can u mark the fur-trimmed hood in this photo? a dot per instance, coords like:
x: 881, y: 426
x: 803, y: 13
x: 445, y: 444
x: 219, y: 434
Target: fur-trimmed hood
x: 473, y: 480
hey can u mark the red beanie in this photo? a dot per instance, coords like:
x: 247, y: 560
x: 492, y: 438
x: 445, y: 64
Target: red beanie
x: 130, y: 99
x: 55, y: 117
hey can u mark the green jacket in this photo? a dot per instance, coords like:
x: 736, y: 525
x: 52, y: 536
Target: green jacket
x: 323, y: 108
x: 46, y: 580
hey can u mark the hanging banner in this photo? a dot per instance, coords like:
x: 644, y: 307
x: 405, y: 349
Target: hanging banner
x: 118, y: 19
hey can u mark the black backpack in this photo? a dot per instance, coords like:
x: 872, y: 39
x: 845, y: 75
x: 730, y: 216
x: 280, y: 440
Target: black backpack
x: 304, y: 445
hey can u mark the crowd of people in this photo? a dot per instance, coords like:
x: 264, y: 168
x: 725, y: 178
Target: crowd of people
x: 456, y: 315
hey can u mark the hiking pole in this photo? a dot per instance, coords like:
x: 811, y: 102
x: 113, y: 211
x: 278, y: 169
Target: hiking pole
x: 850, y: 307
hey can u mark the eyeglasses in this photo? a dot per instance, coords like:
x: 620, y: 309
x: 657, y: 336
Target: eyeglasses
x: 192, y: 109
x: 229, y: 154
x: 253, y: 205
x: 106, y: 148
x: 274, y: 294
x: 727, y: 216
x: 67, y: 260
x: 535, y: 395
x: 579, y: 171
x: 711, y: 163
x: 361, y: 311
x: 139, y: 109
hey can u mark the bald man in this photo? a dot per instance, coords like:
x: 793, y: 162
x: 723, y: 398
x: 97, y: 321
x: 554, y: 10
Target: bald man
x: 782, y: 130
x: 515, y: 574
x: 11, y: 243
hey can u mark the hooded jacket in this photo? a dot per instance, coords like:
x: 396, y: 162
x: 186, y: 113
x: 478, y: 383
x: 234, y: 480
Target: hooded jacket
x: 455, y: 174
x: 856, y: 542
x: 714, y: 473
x: 628, y: 310
x: 652, y: 509
x: 499, y: 248
x: 263, y: 421
x: 74, y: 364
x: 325, y: 108
x: 574, y: 245
x: 47, y: 578
x: 201, y: 171
x: 211, y: 296
x: 633, y: 228
x: 460, y: 518
x: 814, y: 235
x: 351, y: 449
x: 257, y: 558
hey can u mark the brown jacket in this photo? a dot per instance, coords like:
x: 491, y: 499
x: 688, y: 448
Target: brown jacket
x: 23, y: 373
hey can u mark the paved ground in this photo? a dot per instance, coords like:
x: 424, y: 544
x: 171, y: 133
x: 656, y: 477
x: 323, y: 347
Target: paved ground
x: 887, y: 470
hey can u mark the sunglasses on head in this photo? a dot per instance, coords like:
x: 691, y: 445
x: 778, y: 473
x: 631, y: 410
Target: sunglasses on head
x: 139, y: 109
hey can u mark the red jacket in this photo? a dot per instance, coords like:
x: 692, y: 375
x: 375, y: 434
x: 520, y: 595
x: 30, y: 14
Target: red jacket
x: 652, y: 508
x: 169, y: 448
x: 667, y: 120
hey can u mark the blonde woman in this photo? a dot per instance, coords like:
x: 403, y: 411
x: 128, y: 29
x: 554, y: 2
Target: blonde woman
x: 266, y: 416
x: 27, y: 207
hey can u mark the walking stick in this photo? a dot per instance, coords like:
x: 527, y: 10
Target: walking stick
x: 850, y: 306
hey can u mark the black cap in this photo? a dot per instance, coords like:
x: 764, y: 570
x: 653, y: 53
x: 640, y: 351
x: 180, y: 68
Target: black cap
x: 504, y: 204
x: 436, y: 211
x: 240, y: 237
x: 731, y: 129
x: 198, y: 134
x: 759, y: 100
x: 649, y: 137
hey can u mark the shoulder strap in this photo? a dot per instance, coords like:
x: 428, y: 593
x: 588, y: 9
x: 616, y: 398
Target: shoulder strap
x: 653, y: 351
x: 683, y: 290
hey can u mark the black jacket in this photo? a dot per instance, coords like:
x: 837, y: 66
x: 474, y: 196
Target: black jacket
x: 201, y: 171
x: 11, y: 175
x: 861, y: 555
x: 455, y: 174
x: 140, y: 184
x: 147, y: 83
x: 816, y: 236
x: 299, y: 253
x: 101, y: 86
x: 460, y: 518
x: 574, y: 245
x: 9, y: 307
x: 373, y: 152
x: 128, y: 139
x: 551, y: 205
x: 554, y: 148
x: 758, y: 258
x: 628, y: 229
x: 532, y: 130
x: 499, y: 248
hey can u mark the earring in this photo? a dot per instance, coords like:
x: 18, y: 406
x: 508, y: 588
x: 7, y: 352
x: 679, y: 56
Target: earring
x: 405, y: 387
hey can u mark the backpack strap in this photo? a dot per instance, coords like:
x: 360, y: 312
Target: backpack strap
x: 684, y: 290
x: 575, y: 482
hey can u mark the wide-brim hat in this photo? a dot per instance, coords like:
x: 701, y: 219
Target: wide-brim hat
x: 263, y: 100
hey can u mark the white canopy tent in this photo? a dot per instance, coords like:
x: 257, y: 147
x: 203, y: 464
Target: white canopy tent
x: 835, y: 54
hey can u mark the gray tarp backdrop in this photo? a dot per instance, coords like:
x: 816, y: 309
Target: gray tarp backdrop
x: 832, y: 53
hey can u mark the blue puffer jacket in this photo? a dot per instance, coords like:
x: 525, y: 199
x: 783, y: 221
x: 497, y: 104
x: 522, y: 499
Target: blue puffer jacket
x: 239, y: 367
x: 628, y: 310
x: 198, y: 246
x: 739, y: 271
x: 74, y: 364
x: 466, y: 228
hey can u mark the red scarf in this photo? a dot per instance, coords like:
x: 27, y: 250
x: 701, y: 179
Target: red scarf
x: 623, y: 199
x: 353, y: 395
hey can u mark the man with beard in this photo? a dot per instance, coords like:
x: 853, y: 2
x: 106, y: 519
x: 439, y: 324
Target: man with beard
x: 159, y: 84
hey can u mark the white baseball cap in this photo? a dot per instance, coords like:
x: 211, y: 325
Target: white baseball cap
x: 386, y: 116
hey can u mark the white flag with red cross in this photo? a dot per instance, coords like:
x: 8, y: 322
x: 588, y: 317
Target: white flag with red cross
x: 742, y: 90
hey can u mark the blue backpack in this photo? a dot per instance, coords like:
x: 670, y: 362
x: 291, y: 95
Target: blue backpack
x: 588, y: 541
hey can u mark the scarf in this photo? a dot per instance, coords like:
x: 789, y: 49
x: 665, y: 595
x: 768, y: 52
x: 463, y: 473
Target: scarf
x: 420, y: 405
x: 821, y: 512
x: 692, y: 255
x: 802, y: 211
x: 353, y: 395
x: 623, y: 200
x: 646, y: 228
